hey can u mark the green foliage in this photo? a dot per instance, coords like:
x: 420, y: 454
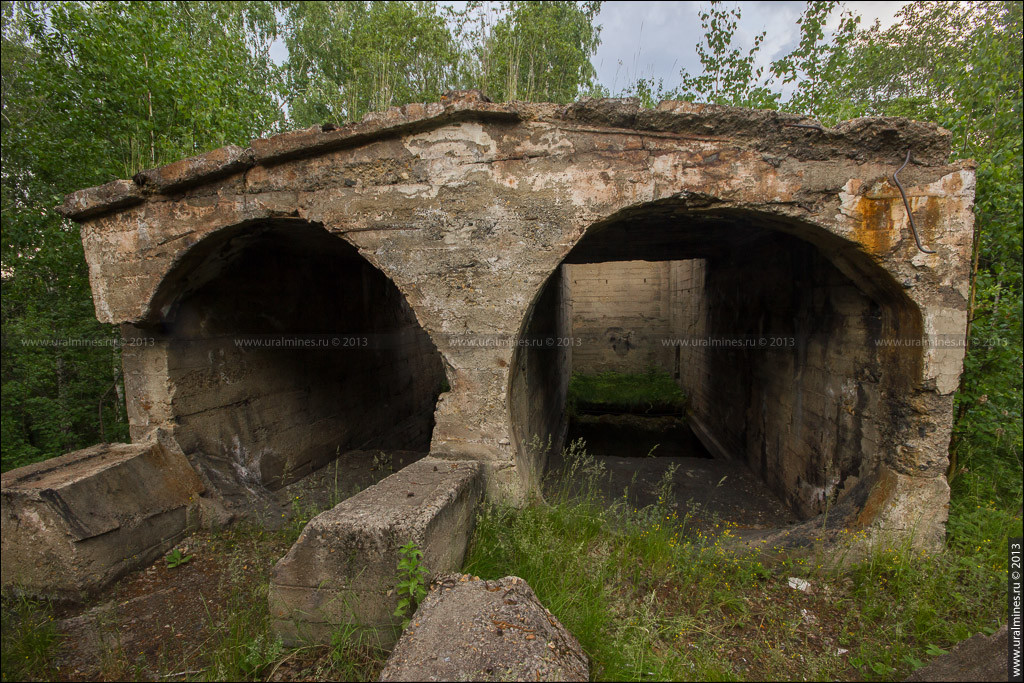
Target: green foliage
x: 728, y: 75
x: 176, y: 558
x: 537, y: 51
x: 355, y: 654
x: 653, y: 593
x: 29, y: 636
x: 818, y: 62
x: 412, y: 581
x: 349, y: 58
x: 636, y: 392
x: 241, y: 644
x: 93, y: 92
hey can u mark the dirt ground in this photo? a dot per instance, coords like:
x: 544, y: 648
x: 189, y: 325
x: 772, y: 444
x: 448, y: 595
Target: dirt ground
x: 636, y: 453
x: 159, y: 622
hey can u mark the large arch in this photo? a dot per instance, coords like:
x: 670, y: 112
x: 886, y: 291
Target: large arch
x: 468, y: 207
x: 790, y: 343
x: 272, y: 347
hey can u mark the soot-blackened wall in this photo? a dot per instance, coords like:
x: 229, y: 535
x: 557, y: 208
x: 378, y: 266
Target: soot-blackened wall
x: 285, y: 348
x: 783, y: 369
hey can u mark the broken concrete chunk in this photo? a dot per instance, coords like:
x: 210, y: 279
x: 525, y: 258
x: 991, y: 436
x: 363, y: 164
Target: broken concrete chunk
x: 94, y: 201
x: 73, y: 524
x: 343, y: 568
x: 467, y: 629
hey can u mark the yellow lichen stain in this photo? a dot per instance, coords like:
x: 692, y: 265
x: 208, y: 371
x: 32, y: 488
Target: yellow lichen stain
x: 873, y: 225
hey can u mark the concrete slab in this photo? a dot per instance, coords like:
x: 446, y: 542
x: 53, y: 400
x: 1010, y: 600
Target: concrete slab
x: 73, y: 524
x: 343, y: 568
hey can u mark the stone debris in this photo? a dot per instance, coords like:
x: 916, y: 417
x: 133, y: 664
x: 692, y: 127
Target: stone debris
x: 468, y: 629
x: 342, y: 568
x: 73, y: 524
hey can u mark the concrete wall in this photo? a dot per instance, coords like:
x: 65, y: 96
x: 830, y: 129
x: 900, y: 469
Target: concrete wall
x: 469, y: 206
x: 687, y: 322
x: 775, y: 348
x: 541, y: 369
x: 791, y: 378
x: 621, y: 312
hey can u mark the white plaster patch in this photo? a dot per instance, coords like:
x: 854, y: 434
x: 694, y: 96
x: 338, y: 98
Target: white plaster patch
x: 945, y: 336
x: 465, y: 140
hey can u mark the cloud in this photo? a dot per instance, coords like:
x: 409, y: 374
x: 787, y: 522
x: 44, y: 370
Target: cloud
x: 655, y: 40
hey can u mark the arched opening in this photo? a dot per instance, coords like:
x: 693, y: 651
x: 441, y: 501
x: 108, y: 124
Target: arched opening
x: 787, y: 342
x: 284, y: 349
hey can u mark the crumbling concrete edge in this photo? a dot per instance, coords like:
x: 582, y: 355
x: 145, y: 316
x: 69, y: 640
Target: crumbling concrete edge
x: 671, y: 118
x: 342, y: 571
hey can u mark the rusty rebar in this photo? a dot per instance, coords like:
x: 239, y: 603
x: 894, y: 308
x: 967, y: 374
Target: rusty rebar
x: 906, y: 203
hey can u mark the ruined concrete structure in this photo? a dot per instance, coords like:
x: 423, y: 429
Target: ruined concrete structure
x: 421, y: 255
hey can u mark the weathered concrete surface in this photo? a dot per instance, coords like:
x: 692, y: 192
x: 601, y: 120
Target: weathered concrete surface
x: 467, y: 629
x: 979, y: 658
x: 621, y: 312
x: 343, y: 568
x: 469, y: 208
x: 73, y: 524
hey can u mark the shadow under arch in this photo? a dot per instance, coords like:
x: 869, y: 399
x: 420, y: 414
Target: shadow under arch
x: 283, y: 347
x: 800, y: 358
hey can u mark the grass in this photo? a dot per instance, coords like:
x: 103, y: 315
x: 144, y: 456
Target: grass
x: 244, y: 646
x: 28, y: 637
x: 653, y: 596
x: 616, y: 391
x: 650, y: 594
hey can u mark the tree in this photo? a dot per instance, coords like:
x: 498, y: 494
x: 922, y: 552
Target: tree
x: 348, y: 58
x: 538, y: 51
x: 727, y: 75
x: 93, y: 92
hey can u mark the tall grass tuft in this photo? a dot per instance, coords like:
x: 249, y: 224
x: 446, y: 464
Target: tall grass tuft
x: 29, y: 636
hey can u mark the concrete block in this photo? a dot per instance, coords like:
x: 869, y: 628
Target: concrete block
x: 343, y: 568
x: 473, y: 630
x: 73, y: 524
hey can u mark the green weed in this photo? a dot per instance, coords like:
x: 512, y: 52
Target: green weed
x: 176, y: 558
x: 640, y: 392
x: 412, y: 576
x: 29, y: 636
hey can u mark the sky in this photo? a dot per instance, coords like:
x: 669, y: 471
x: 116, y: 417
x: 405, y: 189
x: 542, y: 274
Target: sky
x: 657, y: 39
